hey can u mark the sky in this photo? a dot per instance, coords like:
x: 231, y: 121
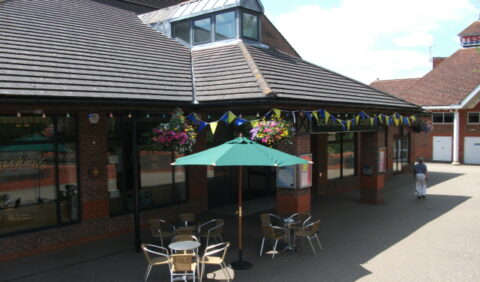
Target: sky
x: 373, y: 39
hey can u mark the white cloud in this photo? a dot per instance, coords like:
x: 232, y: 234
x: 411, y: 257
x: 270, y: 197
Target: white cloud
x: 356, y: 38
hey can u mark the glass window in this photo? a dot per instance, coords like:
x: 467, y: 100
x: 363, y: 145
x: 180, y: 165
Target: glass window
x: 157, y: 188
x: 182, y: 30
x: 202, y: 30
x: 38, y: 173
x: 437, y: 117
x: 473, y: 117
x: 225, y: 26
x: 448, y: 117
x: 250, y: 26
x: 341, y: 155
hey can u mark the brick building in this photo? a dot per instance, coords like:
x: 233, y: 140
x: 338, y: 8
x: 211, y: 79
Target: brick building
x: 82, y: 83
x: 451, y: 90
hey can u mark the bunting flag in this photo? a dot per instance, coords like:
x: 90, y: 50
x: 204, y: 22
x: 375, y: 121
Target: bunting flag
x: 357, y: 119
x: 224, y: 118
x: 309, y: 115
x: 239, y: 121
x: 333, y: 118
x: 254, y: 122
x: 349, y: 124
x: 380, y: 118
x: 322, y: 113
x: 413, y: 118
x: 396, y: 120
x: 372, y: 121
x: 315, y: 115
x: 327, y: 116
x: 202, y: 125
x: 213, y: 126
x: 191, y: 117
x: 363, y: 115
x: 231, y: 117
x: 278, y: 113
x: 406, y: 121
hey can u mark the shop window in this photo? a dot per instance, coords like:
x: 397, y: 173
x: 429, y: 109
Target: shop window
x: 38, y: 173
x: 202, y: 31
x: 442, y: 117
x: 474, y: 117
x: 157, y: 188
x: 341, y: 155
x: 250, y: 26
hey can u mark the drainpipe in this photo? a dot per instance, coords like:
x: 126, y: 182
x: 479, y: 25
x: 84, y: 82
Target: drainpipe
x: 456, y: 137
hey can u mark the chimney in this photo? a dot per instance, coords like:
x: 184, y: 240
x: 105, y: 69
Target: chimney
x: 437, y: 61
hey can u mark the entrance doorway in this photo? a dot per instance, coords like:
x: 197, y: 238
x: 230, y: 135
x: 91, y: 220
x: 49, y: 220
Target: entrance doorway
x: 400, y: 152
x: 442, y: 148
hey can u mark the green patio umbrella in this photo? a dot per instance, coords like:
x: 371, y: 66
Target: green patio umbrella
x: 240, y: 152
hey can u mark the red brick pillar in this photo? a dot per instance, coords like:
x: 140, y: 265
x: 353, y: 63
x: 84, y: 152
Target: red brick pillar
x: 372, y: 181
x: 295, y: 200
x: 93, y: 167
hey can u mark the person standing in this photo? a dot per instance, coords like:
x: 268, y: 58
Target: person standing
x: 420, y: 175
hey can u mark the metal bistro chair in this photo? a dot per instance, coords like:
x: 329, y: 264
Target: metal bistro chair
x: 155, y: 255
x: 215, y: 255
x: 301, y: 218
x: 275, y: 233
x: 211, y: 229
x: 161, y: 229
x: 271, y: 219
x: 310, y: 231
x: 184, y: 266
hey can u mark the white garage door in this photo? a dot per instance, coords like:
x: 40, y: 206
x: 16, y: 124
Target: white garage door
x: 442, y: 148
x: 472, y: 150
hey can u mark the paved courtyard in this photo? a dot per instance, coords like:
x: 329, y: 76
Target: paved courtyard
x: 405, y: 239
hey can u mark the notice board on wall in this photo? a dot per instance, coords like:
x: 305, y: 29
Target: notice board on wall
x: 295, y: 176
x: 382, y: 165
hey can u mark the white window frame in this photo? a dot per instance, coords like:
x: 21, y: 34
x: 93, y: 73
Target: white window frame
x: 443, y: 118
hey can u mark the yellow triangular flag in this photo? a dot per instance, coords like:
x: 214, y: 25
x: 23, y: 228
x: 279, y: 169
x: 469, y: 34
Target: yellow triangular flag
x: 413, y: 118
x: 396, y: 120
x: 372, y: 121
x: 315, y: 115
x: 213, y: 126
x: 278, y: 112
x: 231, y: 117
x: 380, y: 119
x: 349, y: 123
x: 357, y: 119
x: 327, y: 116
x: 254, y: 122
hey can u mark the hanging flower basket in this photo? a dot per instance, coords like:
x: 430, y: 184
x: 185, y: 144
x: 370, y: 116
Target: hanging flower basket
x: 272, y: 131
x: 421, y: 126
x: 176, y: 135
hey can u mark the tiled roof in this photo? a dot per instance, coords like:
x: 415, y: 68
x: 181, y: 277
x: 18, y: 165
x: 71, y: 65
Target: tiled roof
x: 156, y: 4
x: 394, y: 86
x: 474, y: 28
x: 85, y: 48
x: 449, y: 83
x: 293, y: 78
x: 223, y: 73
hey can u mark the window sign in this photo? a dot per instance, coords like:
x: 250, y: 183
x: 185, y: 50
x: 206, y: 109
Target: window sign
x: 305, y: 172
x: 286, y: 177
x: 382, y: 165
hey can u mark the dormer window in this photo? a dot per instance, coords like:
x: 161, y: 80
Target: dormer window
x: 250, y: 26
x: 199, y: 22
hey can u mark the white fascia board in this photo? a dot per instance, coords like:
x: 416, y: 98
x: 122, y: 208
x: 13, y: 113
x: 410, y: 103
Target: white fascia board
x: 470, y: 96
x: 475, y: 92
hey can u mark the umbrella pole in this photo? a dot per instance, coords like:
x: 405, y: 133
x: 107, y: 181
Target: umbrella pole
x: 240, y: 264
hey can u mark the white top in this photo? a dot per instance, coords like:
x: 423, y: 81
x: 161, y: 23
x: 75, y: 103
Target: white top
x: 184, y: 245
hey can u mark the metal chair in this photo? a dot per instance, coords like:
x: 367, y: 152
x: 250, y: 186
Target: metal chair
x: 155, y: 255
x: 270, y: 218
x: 310, y: 231
x: 211, y: 229
x: 184, y: 266
x: 302, y: 219
x: 275, y: 233
x: 161, y: 229
x: 211, y: 258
